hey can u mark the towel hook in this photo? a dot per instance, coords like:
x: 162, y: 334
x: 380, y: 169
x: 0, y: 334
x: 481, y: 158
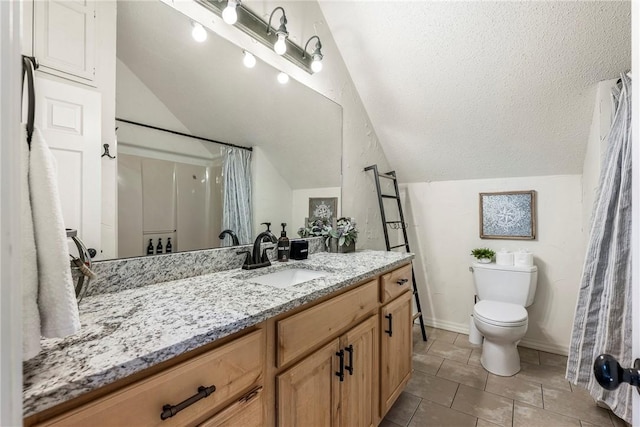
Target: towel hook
x: 106, y: 152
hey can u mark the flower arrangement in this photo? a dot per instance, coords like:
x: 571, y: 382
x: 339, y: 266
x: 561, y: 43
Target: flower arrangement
x: 345, y: 232
x: 315, y: 228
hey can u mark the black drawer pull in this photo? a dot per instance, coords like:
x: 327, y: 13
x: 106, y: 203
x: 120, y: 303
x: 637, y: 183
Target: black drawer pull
x: 401, y: 282
x: 340, y: 374
x: 390, y: 330
x: 349, y: 368
x: 169, y: 411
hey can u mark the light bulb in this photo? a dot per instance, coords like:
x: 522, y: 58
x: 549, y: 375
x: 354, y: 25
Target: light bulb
x: 199, y: 33
x: 316, y: 65
x: 249, y: 60
x: 229, y: 14
x: 281, y: 46
x: 283, y: 78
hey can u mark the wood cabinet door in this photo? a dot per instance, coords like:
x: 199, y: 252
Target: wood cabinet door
x: 395, y: 349
x: 360, y: 386
x: 309, y: 392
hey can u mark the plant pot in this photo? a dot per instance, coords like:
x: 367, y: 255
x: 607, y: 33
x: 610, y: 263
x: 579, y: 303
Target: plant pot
x: 484, y: 260
x: 333, y: 247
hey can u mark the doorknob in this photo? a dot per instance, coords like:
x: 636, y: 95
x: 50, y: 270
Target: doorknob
x: 610, y: 374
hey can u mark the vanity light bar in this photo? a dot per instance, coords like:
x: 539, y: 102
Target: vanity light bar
x: 254, y: 26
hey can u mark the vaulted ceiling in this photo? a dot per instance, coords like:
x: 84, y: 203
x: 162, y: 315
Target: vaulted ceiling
x: 466, y: 90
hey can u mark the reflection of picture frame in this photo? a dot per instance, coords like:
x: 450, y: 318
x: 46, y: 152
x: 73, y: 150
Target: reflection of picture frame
x: 323, y: 208
x: 508, y: 215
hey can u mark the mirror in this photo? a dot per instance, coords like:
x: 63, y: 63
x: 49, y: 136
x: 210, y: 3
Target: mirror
x: 171, y: 185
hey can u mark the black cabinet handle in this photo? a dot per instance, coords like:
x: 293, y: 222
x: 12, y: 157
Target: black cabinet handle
x: 169, y: 411
x: 340, y: 374
x: 401, y: 282
x: 610, y: 374
x: 390, y: 330
x: 349, y: 368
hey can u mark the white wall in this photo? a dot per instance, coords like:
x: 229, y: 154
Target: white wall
x: 10, y: 248
x: 443, y: 219
x: 271, y: 194
x: 596, y: 147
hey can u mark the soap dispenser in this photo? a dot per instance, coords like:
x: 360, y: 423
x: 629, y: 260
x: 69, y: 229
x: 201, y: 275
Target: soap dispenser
x: 169, y: 247
x: 283, y: 245
x: 150, y: 247
x: 159, y: 247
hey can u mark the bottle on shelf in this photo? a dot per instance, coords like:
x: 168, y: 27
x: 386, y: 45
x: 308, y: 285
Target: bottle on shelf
x: 150, y: 247
x: 159, y: 246
x: 283, y: 245
x: 169, y: 248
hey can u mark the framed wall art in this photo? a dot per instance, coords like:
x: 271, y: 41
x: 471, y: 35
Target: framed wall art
x: 508, y: 215
x: 323, y: 208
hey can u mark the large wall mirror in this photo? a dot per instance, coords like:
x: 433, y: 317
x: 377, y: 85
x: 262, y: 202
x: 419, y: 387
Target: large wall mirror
x: 171, y: 186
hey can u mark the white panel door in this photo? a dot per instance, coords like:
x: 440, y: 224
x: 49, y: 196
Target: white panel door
x: 69, y: 120
x: 64, y: 38
x: 193, y: 207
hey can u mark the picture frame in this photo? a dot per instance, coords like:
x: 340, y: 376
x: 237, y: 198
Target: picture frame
x: 323, y: 208
x: 508, y: 215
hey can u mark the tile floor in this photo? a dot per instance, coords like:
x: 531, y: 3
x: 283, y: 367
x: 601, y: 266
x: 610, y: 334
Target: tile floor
x: 450, y: 388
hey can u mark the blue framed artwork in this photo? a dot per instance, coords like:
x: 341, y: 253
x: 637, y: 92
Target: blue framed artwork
x: 508, y: 215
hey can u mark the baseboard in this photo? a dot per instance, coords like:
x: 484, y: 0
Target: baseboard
x: 562, y: 350
x: 447, y: 326
x: 463, y: 328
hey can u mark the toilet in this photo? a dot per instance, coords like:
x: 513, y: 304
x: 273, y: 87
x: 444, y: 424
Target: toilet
x: 500, y: 314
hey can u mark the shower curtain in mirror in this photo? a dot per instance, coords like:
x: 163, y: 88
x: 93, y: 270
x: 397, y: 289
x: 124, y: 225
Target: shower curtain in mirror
x: 602, y: 322
x: 236, y: 203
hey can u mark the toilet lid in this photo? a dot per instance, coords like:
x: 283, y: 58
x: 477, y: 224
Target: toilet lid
x: 500, y: 313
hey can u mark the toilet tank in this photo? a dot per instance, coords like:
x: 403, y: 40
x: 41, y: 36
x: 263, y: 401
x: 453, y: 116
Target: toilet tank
x: 514, y: 284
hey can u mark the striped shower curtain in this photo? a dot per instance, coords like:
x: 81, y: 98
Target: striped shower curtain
x: 236, y: 200
x: 602, y: 322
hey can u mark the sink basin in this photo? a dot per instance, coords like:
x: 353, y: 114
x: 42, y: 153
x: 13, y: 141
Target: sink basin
x: 286, y: 278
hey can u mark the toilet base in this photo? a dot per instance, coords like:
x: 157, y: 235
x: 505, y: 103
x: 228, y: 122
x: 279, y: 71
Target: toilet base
x: 500, y: 358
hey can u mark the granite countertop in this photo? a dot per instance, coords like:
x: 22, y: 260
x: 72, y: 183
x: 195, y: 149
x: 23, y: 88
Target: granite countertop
x: 125, y: 332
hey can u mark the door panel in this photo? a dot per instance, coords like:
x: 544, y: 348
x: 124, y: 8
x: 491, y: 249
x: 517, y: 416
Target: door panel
x: 360, y: 387
x: 69, y: 120
x: 309, y: 392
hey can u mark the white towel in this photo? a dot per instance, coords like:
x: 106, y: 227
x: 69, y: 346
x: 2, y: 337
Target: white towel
x: 56, y: 296
x: 30, y: 315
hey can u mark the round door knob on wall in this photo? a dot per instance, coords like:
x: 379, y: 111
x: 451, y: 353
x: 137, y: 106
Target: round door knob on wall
x: 610, y: 374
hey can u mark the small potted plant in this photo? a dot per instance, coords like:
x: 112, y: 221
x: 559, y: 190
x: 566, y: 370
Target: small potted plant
x: 484, y: 255
x: 343, y: 237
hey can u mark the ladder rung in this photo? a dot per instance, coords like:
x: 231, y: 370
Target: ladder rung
x: 418, y: 314
x: 394, y: 222
x: 386, y: 175
x: 398, y: 246
x: 386, y: 196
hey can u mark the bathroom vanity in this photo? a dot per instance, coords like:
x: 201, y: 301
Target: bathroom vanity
x: 222, y: 349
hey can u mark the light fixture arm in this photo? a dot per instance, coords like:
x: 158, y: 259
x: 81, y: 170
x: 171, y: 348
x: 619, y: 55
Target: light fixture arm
x: 316, y: 51
x: 283, y: 22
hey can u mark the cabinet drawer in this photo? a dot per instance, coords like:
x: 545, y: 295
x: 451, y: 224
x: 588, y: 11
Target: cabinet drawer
x: 244, y: 412
x: 232, y: 368
x: 394, y: 283
x: 307, y: 329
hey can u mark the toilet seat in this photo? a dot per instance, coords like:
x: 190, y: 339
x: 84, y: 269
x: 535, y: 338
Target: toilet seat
x: 502, y: 314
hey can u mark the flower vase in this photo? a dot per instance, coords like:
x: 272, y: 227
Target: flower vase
x: 335, y: 248
x: 484, y: 260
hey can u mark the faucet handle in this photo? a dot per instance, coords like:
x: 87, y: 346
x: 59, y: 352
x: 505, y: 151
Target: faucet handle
x: 268, y: 224
x: 247, y: 260
x: 265, y: 257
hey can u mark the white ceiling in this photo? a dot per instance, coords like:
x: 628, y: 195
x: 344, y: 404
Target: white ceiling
x: 467, y: 90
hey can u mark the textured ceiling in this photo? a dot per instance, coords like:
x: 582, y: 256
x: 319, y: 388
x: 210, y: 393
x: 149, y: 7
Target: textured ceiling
x: 466, y: 90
